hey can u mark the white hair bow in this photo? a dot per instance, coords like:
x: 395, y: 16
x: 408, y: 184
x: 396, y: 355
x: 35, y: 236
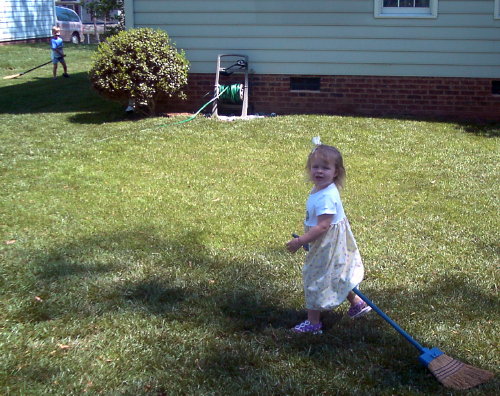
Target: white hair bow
x: 316, y: 141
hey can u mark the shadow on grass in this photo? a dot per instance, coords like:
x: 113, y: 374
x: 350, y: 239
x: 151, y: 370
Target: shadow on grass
x: 489, y: 130
x: 62, y: 95
x: 58, y: 267
x: 156, y: 295
x: 237, y: 301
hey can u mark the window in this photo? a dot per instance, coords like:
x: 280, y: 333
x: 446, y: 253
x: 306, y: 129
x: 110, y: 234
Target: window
x: 61, y: 16
x: 495, y: 87
x: 406, y: 8
x: 497, y: 9
x: 305, y: 84
x: 66, y: 15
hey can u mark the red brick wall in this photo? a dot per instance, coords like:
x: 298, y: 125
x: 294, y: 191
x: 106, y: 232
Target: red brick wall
x: 420, y: 97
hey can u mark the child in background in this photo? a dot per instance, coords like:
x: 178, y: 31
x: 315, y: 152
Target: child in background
x: 57, y: 54
x: 333, y: 265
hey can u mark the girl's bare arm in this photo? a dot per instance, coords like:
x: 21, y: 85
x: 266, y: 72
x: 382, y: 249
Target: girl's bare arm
x: 314, y: 233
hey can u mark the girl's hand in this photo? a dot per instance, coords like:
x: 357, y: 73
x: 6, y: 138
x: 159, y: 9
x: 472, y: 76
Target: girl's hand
x: 315, y: 232
x: 293, y: 245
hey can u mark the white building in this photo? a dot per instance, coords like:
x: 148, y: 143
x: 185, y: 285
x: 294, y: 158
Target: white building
x: 25, y: 20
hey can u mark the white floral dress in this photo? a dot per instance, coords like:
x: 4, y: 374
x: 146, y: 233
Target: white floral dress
x: 333, y: 265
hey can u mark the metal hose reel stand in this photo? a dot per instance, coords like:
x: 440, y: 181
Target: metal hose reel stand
x: 238, y: 64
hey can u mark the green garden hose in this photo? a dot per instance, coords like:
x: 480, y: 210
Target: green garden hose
x: 227, y: 93
x: 231, y: 93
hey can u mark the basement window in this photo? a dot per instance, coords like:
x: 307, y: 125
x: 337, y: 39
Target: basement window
x: 305, y: 84
x: 495, y: 87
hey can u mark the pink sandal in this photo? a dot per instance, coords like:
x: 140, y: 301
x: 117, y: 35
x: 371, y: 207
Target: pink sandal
x: 359, y: 310
x: 308, y: 327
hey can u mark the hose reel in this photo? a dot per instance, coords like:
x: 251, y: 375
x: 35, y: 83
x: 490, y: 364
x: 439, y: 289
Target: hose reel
x: 234, y: 94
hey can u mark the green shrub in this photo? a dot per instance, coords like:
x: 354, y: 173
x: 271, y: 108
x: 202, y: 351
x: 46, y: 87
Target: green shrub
x: 139, y: 64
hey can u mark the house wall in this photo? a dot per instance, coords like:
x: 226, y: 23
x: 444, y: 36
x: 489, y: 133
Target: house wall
x: 25, y: 20
x: 335, y: 38
x: 326, y: 37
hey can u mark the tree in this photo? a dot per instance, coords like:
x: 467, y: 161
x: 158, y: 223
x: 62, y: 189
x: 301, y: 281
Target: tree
x: 139, y: 64
x: 103, y: 9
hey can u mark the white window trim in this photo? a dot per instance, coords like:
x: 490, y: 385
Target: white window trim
x: 496, y: 14
x: 406, y: 12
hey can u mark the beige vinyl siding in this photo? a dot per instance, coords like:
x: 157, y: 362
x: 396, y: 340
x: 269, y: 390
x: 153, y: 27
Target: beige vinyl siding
x: 25, y: 19
x: 325, y: 37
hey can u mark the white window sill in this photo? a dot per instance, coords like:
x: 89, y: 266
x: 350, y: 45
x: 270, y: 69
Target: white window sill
x: 406, y: 16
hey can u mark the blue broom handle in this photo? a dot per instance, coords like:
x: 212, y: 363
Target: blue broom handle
x: 389, y: 320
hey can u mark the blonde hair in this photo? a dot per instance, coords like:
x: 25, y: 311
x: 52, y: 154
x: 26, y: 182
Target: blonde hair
x: 332, y: 156
x: 56, y: 29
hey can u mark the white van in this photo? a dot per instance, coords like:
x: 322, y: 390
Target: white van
x: 70, y: 24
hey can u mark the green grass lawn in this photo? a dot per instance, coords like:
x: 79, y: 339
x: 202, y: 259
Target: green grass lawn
x: 139, y: 257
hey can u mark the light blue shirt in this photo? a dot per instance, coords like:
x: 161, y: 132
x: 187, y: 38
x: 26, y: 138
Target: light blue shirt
x: 57, y: 44
x: 325, y: 201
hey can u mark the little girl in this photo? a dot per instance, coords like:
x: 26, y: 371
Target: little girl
x: 333, y: 266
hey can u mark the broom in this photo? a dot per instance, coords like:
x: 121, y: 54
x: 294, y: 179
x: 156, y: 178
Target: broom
x: 450, y: 372
x: 27, y: 71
